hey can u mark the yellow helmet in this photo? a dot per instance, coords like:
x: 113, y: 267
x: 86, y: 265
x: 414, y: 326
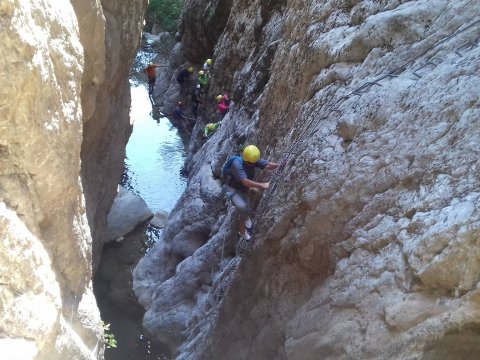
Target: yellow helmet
x: 219, y: 98
x: 150, y: 64
x: 201, y: 73
x: 190, y: 69
x: 251, y: 154
x: 209, y: 61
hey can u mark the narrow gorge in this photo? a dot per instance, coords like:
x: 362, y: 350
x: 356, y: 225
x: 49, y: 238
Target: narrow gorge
x: 64, y: 123
x: 365, y: 244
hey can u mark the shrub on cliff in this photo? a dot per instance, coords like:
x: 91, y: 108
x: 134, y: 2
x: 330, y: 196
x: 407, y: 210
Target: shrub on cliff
x: 165, y: 13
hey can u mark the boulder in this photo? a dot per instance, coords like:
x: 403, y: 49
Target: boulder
x: 128, y: 211
x: 159, y: 220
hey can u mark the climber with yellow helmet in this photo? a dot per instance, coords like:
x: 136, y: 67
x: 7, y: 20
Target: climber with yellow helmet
x: 184, y: 75
x: 210, y: 128
x: 151, y: 72
x: 202, y: 78
x: 206, y: 66
x: 238, y: 174
x: 223, y: 104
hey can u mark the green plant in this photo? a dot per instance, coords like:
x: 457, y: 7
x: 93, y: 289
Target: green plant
x: 108, y: 336
x: 164, y: 12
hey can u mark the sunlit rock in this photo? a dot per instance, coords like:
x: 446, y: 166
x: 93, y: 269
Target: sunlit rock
x: 367, y: 247
x: 159, y: 220
x: 128, y: 211
x: 60, y: 129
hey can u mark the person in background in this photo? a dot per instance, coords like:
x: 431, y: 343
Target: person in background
x: 196, y: 100
x: 186, y: 122
x: 178, y: 112
x: 210, y: 129
x: 223, y: 104
x: 151, y: 72
x: 202, y: 79
x: 184, y: 75
x: 206, y: 66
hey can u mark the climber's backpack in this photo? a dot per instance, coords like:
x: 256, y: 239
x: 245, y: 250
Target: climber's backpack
x: 226, y: 175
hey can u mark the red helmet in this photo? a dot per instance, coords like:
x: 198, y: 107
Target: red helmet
x: 180, y: 104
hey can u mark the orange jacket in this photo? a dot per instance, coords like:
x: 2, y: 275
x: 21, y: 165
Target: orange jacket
x: 151, y: 72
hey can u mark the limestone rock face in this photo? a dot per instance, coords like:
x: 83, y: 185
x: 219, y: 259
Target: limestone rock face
x: 55, y: 75
x: 106, y: 99
x: 201, y: 24
x: 367, y: 246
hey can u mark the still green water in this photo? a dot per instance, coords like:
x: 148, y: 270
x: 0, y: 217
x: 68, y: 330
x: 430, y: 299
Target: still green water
x: 155, y: 156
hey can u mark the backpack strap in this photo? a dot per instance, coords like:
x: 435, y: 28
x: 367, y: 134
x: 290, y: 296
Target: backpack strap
x: 229, y: 179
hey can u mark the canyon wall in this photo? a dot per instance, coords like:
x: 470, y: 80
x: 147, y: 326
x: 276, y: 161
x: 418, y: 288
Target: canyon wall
x: 65, y: 69
x: 365, y: 245
x: 106, y: 104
